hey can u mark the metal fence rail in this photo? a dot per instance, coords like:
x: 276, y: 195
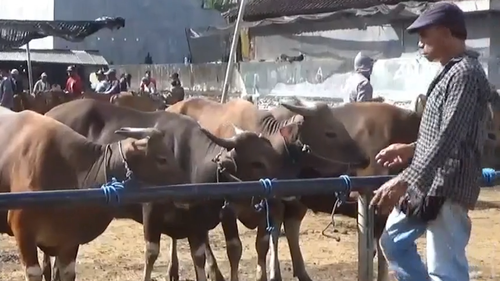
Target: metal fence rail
x: 128, y: 192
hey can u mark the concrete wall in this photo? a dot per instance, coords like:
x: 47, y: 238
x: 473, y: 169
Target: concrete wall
x: 399, y: 80
x: 151, y: 26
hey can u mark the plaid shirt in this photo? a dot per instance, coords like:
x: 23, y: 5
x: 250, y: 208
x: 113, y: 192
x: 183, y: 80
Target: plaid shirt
x: 447, y: 160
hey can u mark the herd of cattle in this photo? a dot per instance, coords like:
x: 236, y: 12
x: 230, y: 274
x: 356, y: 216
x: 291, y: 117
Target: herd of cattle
x: 86, y: 142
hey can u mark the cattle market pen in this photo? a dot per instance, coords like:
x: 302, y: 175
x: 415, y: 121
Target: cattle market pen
x: 122, y: 193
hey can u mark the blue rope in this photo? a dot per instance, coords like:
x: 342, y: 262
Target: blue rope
x: 111, y: 189
x: 489, y: 175
x: 344, y: 194
x: 268, y: 187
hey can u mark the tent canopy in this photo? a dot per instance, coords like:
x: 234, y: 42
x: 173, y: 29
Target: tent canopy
x: 16, y: 33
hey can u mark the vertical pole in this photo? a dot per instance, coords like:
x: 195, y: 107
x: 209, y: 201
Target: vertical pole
x: 30, y: 70
x: 365, y: 236
x: 232, y: 52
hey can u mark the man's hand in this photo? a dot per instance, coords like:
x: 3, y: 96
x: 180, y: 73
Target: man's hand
x: 388, y: 195
x: 396, y: 154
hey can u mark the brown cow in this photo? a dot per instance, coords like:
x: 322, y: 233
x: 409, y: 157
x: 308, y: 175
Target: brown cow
x: 374, y: 126
x: 251, y: 157
x: 43, y: 154
x: 331, y: 150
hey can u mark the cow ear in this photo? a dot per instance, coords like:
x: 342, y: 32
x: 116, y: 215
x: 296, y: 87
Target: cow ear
x: 290, y: 132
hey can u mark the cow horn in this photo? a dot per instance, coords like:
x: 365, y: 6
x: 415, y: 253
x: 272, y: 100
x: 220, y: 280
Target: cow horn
x: 419, y: 104
x: 227, y: 143
x: 138, y: 133
x: 237, y: 130
x: 302, y: 107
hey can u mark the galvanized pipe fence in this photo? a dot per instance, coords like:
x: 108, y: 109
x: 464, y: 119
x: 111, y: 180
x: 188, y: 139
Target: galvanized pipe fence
x: 128, y: 192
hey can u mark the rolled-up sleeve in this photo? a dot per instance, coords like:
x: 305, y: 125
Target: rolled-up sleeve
x: 457, y: 114
x: 365, y: 91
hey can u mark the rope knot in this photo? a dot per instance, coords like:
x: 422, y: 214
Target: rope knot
x: 264, y: 205
x: 489, y: 175
x: 111, y: 190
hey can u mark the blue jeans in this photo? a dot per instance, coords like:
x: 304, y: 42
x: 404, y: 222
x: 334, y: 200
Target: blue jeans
x: 447, y: 237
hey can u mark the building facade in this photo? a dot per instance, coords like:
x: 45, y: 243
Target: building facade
x: 154, y: 27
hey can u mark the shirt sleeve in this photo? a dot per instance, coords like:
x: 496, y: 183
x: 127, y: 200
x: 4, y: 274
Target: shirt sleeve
x: 114, y: 86
x: 456, y: 119
x: 37, y: 87
x: 365, y: 91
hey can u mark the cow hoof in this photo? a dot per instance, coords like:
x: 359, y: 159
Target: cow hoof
x: 305, y: 278
x: 215, y: 276
x: 172, y: 278
x: 276, y: 279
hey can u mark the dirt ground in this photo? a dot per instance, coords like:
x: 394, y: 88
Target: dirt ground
x: 118, y: 253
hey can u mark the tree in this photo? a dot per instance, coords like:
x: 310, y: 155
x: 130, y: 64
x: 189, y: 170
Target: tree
x: 148, y: 59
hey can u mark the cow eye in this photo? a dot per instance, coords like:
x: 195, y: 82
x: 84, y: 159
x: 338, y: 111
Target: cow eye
x: 161, y: 160
x: 258, y: 165
x: 331, y: 135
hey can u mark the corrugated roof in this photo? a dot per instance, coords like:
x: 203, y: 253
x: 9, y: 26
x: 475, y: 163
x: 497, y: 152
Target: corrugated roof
x: 55, y: 56
x: 257, y: 10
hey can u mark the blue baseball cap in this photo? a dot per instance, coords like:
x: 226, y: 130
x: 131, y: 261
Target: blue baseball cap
x: 443, y: 14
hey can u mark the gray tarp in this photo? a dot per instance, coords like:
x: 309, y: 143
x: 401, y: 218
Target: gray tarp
x: 356, y: 17
x: 16, y: 33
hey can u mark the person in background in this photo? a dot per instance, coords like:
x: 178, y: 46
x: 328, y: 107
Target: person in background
x: 18, y: 83
x: 113, y: 83
x: 176, y: 91
x: 434, y: 194
x: 42, y: 85
x: 146, y: 82
x: 147, y: 87
x: 7, y: 91
x: 124, y: 84
x: 358, y: 87
x: 99, y: 75
x: 74, y: 85
x: 175, y: 81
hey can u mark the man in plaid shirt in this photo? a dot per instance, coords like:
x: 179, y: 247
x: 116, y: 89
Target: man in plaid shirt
x: 434, y: 194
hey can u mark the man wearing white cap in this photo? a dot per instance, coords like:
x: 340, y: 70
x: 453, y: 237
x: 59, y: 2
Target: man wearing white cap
x: 18, y: 83
x: 41, y: 85
x: 358, y: 85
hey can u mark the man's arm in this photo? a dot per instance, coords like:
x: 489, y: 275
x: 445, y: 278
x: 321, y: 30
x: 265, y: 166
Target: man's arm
x: 38, y: 86
x: 113, y: 88
x: 365, y: 91
x: 457, y: 117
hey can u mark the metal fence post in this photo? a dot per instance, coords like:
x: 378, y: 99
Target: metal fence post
x: 365, y: 236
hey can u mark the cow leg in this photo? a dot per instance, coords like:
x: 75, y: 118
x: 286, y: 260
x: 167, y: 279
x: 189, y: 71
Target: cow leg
x: 262, y: 247
x: 173, y: 265
x: 212, y: 267
x: 234, y: 248
x: 292, y: 230
x: 277, y: 214
x: 265, y: 239
x: 47, y: 267
x: 56, y: 276
x: 152, y: 217
x: 274, y: 262
x: 26, y: 244
x: 198, y: 247
x: 66, y: 263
